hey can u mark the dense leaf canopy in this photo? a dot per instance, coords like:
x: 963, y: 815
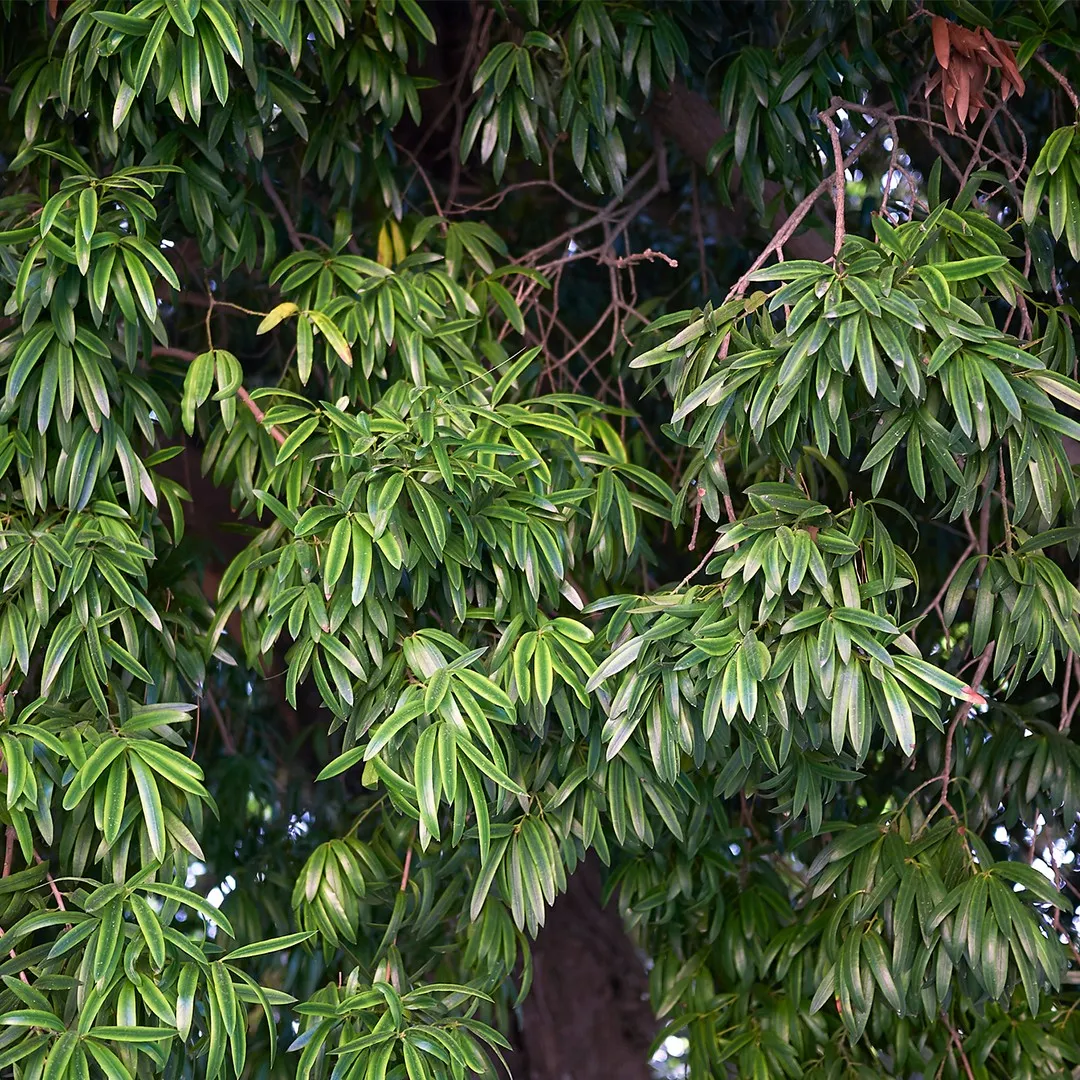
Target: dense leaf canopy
x: 446, y: 445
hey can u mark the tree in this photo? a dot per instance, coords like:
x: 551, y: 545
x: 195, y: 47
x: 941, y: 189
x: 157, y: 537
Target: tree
x: 537, y: 533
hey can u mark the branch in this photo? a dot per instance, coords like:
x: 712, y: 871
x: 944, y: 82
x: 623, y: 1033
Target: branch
x: 694, y: 126
x: 955, y: 1038
x: 260, y: 416
x: 286, y: 217
x: 1065, y: 85
x: 961, y: 713
x: 242, y: 394
x: 839, y: 190
x: 797, y: 215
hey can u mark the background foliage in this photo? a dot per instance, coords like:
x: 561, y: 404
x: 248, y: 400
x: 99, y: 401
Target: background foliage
x: 445, y: 449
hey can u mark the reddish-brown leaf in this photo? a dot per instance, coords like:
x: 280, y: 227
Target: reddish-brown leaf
x: 941, y: 40
x: 1011, y: 73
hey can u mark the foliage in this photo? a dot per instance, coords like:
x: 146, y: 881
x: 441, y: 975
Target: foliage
x: 302, y: 815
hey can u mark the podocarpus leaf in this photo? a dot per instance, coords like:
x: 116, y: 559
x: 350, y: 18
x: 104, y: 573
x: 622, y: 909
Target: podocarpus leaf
x: 775, y: 649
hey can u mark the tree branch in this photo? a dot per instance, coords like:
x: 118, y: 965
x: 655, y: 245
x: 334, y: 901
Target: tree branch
x: 260, y: 416
x: 839, y: 190
x: 242, y: 394
x: 286, y: 217
x: 786, y: 231
x: 694, y: 126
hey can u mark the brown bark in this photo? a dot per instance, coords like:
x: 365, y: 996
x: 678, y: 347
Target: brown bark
x: 587, y: 1016
x: 688, y: 119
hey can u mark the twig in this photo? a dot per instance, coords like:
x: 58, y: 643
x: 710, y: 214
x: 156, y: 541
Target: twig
x: 1065, y: 692
x: 424, y: 177
x: 648, y: 254
x: 945, y: 776
x: 948, y: 581
x: 694, y: 573
x: 955, y: 1037
x: 1067, y: 719
x: 226, y: 737
x: 973, y: 162
x: 52, y: 884
x: 700, y: 492
x: 787, y: 230
x: 9, y: 850
x: 403, y: 887
x: 14, y: 956
x: 1065, y: 85
x: 241, y: 393
x: 260, y: 416
x: 1004, y: 502
x: 176, y: 354
x: 286, y: 217
x: 984, y: 522
x: 839, y: 188
x: 894, y: 155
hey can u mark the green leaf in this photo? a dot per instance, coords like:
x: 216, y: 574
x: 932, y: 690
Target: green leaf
x: 192, y: 900
x: 150, y: 797
x: 296, y: 438
x: 1040, y: 887
x: 264, y: 948
x: 621, y: 658
x: 333, y: 335
x: 103, y: 756
x: 965, y: 269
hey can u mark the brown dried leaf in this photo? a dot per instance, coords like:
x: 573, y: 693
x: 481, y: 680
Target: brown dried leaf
x: 1011, y: 73
x: 978, y: 84
x: 963, y: 87
x: 941, y: 41
x: 949, y: 86
x: 964, y: 41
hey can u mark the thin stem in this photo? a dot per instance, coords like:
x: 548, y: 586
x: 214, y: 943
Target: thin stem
x: 1067, y: 719
x: 729, y: 508
x: 839, y: 189
x: 1064, y: 83
x: 700, y: 492
x: 948, y: 581
x: 955, y: 1037
x: 945, y: 776
x: 260, y: 416
x: 403, y: 887
x: 241, y: 393
x: 1004, y: 502
x: 1065, y: 693
x: 226, y: 737
x: 787, y: 230
x: 279, y: 206
x: 52, y: 885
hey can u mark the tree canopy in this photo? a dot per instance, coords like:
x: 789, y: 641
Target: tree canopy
x: 453, y: 455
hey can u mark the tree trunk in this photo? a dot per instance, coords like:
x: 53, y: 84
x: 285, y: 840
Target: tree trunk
x: 587, y: 1016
